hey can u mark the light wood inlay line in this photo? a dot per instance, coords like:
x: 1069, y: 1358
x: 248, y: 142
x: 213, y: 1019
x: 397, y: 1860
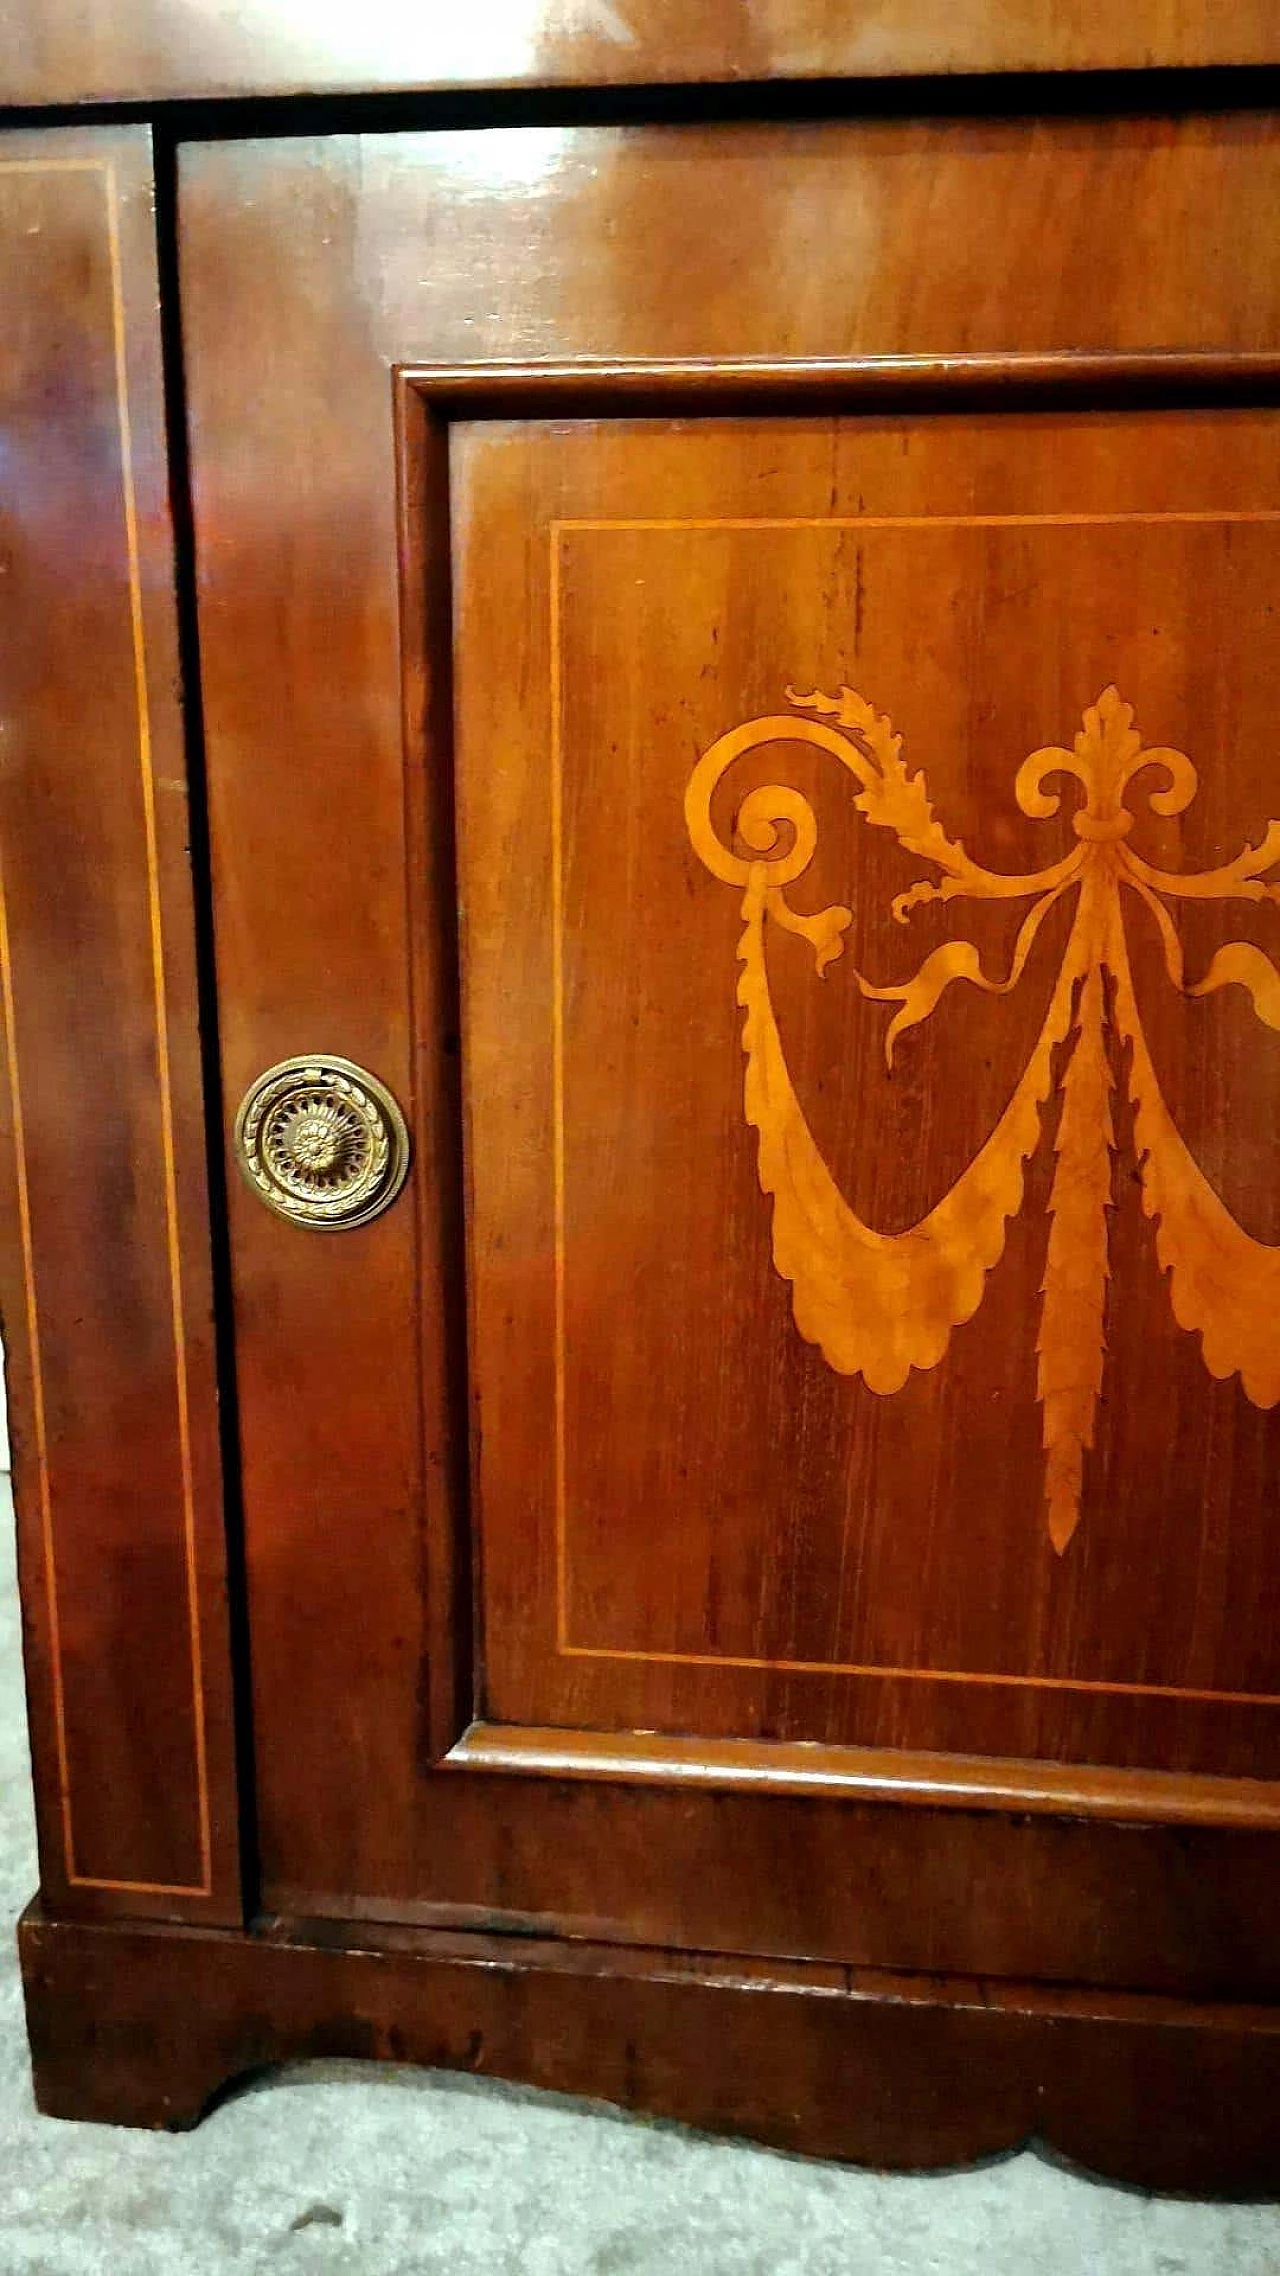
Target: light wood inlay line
x: 76, y: 1878
x: 557, y: 529
x: 919, y: 521
x: 926, y: 1675
x: 557, y: 1061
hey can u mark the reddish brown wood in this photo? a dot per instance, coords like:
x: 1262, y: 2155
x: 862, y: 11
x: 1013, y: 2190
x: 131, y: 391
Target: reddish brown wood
x: 741, y: 1542
x: 886, y: 1774
x: 86, y: 50
x: 600, y: 387
x: 105, y: 1258
x: 787, y: 1683
x: 719, y: 250
x: 435, y: 1019
x: 974, y: 1889
x: 887, y: 2070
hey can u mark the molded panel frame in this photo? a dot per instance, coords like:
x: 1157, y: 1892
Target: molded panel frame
x: 426, y: 399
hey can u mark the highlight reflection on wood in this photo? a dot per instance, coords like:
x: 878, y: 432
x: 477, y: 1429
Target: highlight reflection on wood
x: 877, y: 1304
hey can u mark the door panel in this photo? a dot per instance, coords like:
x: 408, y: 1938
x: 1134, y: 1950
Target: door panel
x: 692, y: 1516
x: 587, y: 1586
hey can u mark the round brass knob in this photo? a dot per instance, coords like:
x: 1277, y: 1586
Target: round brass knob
x: 322, y: 1142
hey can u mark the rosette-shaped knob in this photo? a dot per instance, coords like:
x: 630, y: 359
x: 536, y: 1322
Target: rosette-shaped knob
x: 322, y: 1142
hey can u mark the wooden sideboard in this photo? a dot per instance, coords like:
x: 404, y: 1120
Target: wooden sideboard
x: 641, y: 1001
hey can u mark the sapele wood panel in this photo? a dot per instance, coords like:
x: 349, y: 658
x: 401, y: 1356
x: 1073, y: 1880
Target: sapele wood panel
x: 61, y: 51
x: 338, y: 260
x: 105, y: 1261
x: 730, y: 1535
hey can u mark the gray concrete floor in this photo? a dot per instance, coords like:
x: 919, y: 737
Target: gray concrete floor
x: 329, y: 2167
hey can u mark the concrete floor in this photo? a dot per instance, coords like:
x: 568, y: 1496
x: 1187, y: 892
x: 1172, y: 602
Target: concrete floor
x: 329, y: 2167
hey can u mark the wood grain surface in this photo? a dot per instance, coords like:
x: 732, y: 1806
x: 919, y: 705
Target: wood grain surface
x: 105, y: 1260
x: 310, y: 270
x: 888, y: 2069
x: 736, y: 1538
x: 62, y: 51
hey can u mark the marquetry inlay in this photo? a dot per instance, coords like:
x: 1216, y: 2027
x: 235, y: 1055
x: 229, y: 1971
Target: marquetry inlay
x: 878, y: 1304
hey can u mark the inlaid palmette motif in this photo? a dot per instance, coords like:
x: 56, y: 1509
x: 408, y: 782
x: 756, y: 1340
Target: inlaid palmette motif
x: 878, y: 1304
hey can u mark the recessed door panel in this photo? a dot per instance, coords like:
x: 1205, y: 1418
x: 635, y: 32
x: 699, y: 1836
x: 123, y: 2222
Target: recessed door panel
x: 883, y: 824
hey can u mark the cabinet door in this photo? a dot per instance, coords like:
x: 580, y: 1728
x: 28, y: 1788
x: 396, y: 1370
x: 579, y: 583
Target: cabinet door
x: 762, y: 744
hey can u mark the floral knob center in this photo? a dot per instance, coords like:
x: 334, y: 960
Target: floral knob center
x: 316, y: 1141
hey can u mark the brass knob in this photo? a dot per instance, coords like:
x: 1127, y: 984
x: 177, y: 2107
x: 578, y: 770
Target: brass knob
x: 322, y: 1142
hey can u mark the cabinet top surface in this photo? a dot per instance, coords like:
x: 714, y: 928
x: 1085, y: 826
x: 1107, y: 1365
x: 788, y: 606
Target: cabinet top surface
x: 80, y: 51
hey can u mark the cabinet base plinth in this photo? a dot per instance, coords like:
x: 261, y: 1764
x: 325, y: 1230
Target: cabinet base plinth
x: 139, y: 2024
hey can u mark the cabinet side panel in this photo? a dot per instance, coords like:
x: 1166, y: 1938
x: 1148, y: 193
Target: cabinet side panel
x: 105, y: 1258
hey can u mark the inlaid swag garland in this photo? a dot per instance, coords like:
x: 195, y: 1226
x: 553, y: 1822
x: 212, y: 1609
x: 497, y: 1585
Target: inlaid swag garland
x: 879, y: 1304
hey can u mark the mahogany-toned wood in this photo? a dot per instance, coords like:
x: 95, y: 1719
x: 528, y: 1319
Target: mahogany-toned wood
x: 618, y: 1578
x: 60, y: 51
x: 438, y: 1196
x: 691, y: 1518
x: 887, y: 1774
x: 146, y: 2024
x: 718, y: 252
x: 105, y: 1264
